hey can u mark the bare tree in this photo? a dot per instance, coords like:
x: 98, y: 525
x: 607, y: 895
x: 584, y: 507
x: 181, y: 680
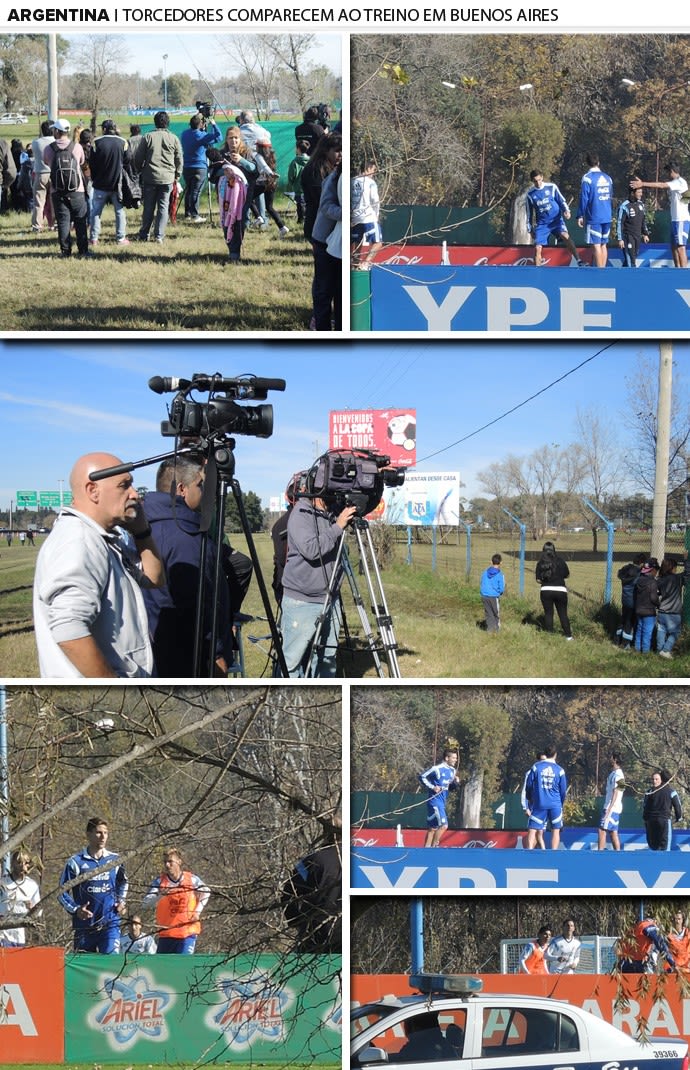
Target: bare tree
x: 260, y: 65
x: 292, y: 51
x: 98, y: 59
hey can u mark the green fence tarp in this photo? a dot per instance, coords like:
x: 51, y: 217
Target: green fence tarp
x: 202, y: 1008
x: 282, y: 140
x: 360, y: 300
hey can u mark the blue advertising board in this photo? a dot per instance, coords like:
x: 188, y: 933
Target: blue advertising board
x: 526, y: 299
x: 452, y: 868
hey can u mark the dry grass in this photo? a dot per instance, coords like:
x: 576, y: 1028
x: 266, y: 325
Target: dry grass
x: 187, y: 283
x: 437, y: 618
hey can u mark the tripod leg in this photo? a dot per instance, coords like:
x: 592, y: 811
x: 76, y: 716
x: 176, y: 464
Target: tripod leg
x: 361, y: 610
x: 326, y: 611
x: 379, y: 607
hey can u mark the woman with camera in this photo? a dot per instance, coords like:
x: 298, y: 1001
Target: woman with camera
x: 235, y: 190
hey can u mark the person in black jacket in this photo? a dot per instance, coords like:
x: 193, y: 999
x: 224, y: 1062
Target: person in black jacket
x: 106, y: 163
x: 629, y: 575
x: 660, y: 807
x: 646, y: 605
x: 670, y: 614
x: 551, y: 572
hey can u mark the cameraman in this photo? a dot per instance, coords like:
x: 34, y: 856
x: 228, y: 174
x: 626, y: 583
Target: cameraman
x: 195, y: 140
x: 313, y: 538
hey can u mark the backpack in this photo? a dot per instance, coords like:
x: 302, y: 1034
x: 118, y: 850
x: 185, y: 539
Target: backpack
x: 64, y: 170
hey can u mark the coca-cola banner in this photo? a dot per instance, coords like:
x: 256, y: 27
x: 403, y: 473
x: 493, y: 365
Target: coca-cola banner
x: 513, y: 255
x: 573, y: 839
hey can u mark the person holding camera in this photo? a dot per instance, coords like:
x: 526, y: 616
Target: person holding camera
x: 201, y: 133
x: 313, y: 538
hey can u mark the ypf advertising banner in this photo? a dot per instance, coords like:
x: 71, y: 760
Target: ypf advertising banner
x: 189, y: 1009
x: 519, y: 299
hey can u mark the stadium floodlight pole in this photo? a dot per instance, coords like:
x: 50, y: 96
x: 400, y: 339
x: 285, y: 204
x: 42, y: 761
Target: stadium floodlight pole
x: 663, y: 450
x: 165, y: 81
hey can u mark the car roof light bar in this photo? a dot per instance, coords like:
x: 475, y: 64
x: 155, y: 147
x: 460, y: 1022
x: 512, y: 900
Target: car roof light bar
x: 457, y: 984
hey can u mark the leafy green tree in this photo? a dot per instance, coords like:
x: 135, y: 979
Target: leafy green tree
x: 179, y: 90
x: 253, y: 509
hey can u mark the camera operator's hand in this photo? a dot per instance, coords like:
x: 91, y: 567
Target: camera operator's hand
x: 135, y: 521
x: 344, y: 518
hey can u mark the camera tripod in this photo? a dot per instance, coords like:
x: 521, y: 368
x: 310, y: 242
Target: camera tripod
x: 219, y: 478
x: 386, y: 642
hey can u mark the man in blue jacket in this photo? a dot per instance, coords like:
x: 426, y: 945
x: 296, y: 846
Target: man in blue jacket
x: 491, y: 587
x: 195, y: 140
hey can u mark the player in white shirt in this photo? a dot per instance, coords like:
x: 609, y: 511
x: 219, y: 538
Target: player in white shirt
x: 680, y: 209
x: 563, y: 953
x: 613, y: 804
x: 19, y: 893
x: 366, y: 237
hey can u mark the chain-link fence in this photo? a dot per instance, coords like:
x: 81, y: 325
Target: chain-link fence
x: 597, y: 954
x: 463, y: 553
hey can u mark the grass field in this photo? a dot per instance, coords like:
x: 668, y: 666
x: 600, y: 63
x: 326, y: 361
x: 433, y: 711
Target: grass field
x: 185, y: 284
x: 437, y: 617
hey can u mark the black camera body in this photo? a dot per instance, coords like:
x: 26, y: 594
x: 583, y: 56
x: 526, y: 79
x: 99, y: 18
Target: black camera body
x: 221, y: 414
x: 324, y: 114
x: 352, y: 477
x: 205, y: 108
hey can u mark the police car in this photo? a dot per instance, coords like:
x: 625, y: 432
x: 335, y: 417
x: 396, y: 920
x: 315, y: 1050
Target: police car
x: 454, y: 1023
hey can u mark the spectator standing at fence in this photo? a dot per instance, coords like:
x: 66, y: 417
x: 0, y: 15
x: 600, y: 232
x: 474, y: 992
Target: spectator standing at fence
x: 613, y: 805
x: 533, y: 959
x: 646, y: 605
x: 551, y: 572
x: 670, y: 611
x: 629, y: 575
x: 491, y: 587
x: 660, y: 807
x: 563, y: 953
x: 134, y: 941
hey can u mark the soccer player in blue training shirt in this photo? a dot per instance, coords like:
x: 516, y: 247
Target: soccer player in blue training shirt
x: 97, y: 902
x: 438, y: 781
x: 595, y: 209
x: 547, y: 212
x: 545, y: 790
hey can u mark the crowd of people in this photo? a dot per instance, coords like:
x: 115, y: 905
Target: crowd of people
x: 548, y: 213
x: 652, y: 604
x: 66, y: 177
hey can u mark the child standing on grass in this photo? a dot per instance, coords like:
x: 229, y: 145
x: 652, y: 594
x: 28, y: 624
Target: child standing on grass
x: 294, y: 176
x: 491, y: 587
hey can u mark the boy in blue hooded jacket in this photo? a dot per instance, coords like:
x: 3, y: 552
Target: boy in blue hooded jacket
x: 491, y: 587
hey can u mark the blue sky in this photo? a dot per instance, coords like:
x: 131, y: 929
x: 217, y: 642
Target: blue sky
x: 63, y: 399
x: 190, y: 52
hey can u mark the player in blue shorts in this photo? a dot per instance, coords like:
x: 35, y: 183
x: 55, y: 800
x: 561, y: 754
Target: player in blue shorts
x: 595, y: 209
x: 544, y: 791
x: 97, y: 901
x: 547, y: 212
x: 438, y: 781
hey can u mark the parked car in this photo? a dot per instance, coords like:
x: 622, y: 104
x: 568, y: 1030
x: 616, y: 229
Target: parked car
x: 11, y: 118
x: 452, y: 1022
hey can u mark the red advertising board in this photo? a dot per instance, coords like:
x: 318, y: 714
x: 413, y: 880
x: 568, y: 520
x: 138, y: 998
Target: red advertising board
x: 391, y: 432
x: 471, y: 255
x: 453, y: 838
x: 596, y: 993
x: 32, y: 997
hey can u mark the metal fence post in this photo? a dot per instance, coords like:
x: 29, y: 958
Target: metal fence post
x: 523, y: 546
x: 610, y: 536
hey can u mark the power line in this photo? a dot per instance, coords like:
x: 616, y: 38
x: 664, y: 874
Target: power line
x: 520, y: 405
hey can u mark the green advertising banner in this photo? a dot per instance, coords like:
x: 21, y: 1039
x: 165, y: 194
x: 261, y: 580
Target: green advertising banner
x: 184, y: 1009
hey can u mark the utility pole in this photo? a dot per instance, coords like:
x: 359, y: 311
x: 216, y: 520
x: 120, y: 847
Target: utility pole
x: 663, y: 438
x: 52, y: 76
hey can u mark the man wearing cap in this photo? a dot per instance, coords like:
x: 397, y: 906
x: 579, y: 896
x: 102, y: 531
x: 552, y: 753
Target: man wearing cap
x: 680, y: 212
x: 107, y: 160
x: 68, y: 193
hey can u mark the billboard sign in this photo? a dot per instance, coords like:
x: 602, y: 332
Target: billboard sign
x: 392, y: 432
x: 654, y: 256
x: 27, y: 499
x: 576, y: 300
